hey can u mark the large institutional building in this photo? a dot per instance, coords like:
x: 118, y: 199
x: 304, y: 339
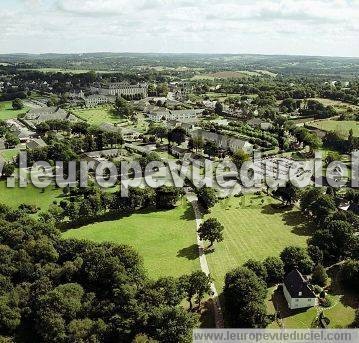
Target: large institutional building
x: 123, y: 89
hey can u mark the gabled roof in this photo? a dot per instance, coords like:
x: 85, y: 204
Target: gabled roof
x: 297, y: 285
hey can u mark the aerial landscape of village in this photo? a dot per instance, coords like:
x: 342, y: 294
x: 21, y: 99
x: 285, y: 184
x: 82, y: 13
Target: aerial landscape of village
x: 144, y: 195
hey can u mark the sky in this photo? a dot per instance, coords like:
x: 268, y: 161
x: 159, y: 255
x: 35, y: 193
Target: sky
x: 298, y: 27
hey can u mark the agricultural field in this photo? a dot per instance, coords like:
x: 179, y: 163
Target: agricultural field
x: 165, y: 239
x: 97, y: 115
x: 338, y: 105
x: 69, y: 71
x: 7, y: 112
x: 232, y: 74
x: 253, y: 229
x: 340, y: 126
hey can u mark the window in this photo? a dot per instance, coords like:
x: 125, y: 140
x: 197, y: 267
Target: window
x: 296, y: 300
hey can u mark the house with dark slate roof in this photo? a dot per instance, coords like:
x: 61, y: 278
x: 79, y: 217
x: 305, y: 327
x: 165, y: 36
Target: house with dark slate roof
x: 297, y: 291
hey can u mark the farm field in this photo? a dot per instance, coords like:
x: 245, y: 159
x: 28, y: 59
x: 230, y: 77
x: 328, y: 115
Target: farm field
x: 7, y: 112
x: 338, y: 105
x: 31, y: 195
x: 165, y: 239
x: 97, y: 115
x: 64, y: 71
x: 253, y: 229
x: 341, y: 126
x: 231, y: 74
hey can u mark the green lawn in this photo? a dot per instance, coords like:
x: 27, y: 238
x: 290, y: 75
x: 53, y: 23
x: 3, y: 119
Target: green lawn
x: 252, y: 231
x: 9, y: 154
x: 31, y: 195
x: 165, y: 239
x: 97, y: 115
x: 339, y: 126
x: 7, y: 112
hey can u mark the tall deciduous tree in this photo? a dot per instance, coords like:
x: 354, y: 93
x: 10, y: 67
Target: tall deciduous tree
x: 211, y: 230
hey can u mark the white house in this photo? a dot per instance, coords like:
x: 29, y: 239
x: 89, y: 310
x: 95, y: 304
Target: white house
x: 297, y: 291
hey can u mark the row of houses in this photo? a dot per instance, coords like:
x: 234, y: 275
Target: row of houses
x: 165, y: 115
x: 39, y: 115
x: 223, y: 141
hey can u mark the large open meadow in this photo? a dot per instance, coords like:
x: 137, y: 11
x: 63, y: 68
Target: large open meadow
x: 341, y: 126
x: 253, y: 229
x: 97, y: 115
x: 165, y: 239
x: 31, y: 195
x: 7, y: 112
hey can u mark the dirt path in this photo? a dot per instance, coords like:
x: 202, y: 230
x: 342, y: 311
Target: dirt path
x: 218, y: 315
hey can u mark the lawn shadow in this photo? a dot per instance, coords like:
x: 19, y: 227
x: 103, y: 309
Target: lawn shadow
x: 188, y: 214
x: 348, y: 296
x: 207, y: 315
x: 191, y: 252
x: 274, y: 208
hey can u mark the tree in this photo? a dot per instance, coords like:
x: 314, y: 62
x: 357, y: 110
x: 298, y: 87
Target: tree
x: 177, y: 135
x: 7, y: 169
x: 258, y: 268
x: 211, y: 230
x: 335, y: 240
x: 319, y: 276
x: 218, y: 109
x: 244, y: 296
x: 296, y: 258
x: 239, y: 157
x: 17, y: 104
x: 350, y: 274
x: 210, y: 148
x: 160, y: 131
x: 275, y: 270
x: 316, y: 204
x: 123, y: 108
x: 315, y: 254
x: 207, y: 196
x: 11, y: 140
x: 197, y: 283
x: 167, y: 197
x: 288, y: 194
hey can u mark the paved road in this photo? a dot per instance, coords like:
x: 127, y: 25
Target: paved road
x: 218, y: 315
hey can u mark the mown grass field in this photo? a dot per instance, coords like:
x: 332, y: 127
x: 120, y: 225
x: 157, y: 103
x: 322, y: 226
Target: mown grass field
x: 9, y: 154
x: 7, y: 112
x: 338, y: 105
x: 253, y: 229
x: 31, y: 195
x: 341, y: 126
x: 97, y: 115
x: 165, y: 239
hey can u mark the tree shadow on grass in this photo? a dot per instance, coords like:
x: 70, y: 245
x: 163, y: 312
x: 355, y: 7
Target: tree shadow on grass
x: 207, y: 315
x: 191, y: 252
x: 188, y: 214
x: 348, y: 296
x: 274, y: 209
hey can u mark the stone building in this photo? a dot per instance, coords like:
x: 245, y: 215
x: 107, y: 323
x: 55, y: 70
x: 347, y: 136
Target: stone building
x: 123, y: 89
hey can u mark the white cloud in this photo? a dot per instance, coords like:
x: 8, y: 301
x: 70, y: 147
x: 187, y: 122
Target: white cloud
x: 235, y: 26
